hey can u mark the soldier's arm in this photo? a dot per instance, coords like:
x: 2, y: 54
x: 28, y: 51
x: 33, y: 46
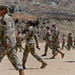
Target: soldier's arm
x: 7, y: 32
x: 24, y: 36
x: 36, y: 40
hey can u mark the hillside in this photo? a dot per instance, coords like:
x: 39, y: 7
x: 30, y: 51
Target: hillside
x: 61, y: 12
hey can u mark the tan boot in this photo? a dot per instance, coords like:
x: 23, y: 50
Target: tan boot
x: 54, y: 54
x: 44, y: 64
x: 62, y: 55
x: 21, y: 72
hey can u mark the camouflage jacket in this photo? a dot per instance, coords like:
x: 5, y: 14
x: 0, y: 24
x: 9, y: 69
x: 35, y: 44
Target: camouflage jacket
x: 31, y: 38
x: 9, y: 30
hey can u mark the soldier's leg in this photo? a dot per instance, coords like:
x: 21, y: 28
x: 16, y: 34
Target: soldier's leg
x: 3, y: 52
x: 16, y: 48
x: 62, y: 54
x: 12, y: 56
x: 1, y: 56
x: 54, y: 53
x: 20, y: 49
x: 25, y: 55
x: 68, y: 46
x: 46, y: 49
x: 74, y: 45
x: 62, y: 45
x: 44, y: 64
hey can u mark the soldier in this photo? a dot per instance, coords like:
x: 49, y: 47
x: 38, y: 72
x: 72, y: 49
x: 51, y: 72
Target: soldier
x: 19, y: 44
x: 31, y: 39
x: 63, y: 41
x: 48, y: 39
x: 74, y: 43
x: 55, y: 42
x: 69, y: 41
x: 8, y: 39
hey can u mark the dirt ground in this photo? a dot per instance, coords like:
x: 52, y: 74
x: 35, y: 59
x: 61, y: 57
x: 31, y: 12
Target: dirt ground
x: 57, y: 66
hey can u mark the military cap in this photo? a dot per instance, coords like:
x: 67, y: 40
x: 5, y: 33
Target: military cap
x: 3, y: 7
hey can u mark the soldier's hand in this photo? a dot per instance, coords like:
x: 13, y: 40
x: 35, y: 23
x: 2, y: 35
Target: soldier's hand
x: 6, y: 44
x: 38, y: 47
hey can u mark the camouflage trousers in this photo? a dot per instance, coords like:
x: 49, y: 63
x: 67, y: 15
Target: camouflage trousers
x: 29, y: 48
x: 47, y: 45
x: 55, y: 46
x: 69, y: 45
x: 12, y: 56
x: 20, y: 47
x: 63, y: 45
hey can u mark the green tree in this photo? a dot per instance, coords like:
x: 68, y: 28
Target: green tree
x: 11, y: 9
x: 37, y: 22
x: 16, y: 20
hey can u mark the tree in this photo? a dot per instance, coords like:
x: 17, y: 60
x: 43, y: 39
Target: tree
x: 16, y: 20
x: 37, y: 22
x: 11, y: 9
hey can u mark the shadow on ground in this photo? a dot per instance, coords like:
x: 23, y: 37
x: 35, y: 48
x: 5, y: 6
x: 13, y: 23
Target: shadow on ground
x: 70, y: 61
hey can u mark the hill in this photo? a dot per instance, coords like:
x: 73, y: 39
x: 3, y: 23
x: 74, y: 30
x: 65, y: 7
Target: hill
x: 61, y: 12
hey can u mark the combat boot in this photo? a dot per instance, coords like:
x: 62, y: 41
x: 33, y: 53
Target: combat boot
x: 44, y: 55
x: 62, y: 55
x: 23, y: 64
x: 21, y: 72
x: 54, y: 54
x: 53, y: 57
x: 44, y: 64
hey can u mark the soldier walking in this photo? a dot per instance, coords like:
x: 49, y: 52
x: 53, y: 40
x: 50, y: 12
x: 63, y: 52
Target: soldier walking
x: 31, y: 39
x: 63, y: 41
x: 69, y: 41
x: 8, y: 39
x: 48, y: 39
x: 19, y: 43
x: 55, y: 42
x: 74, y: 43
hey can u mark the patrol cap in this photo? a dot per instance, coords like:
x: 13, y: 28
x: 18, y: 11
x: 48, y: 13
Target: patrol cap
x: 3, y: 7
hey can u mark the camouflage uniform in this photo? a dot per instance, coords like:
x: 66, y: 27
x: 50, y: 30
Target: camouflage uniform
x: 69, y: 42
x: 74, y: 43
x: 31, y: 38
x: 55, y: 43
x: 8, y: 42
x: 48, y: 40
x: 19, y: 43
x: 63, y: 41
